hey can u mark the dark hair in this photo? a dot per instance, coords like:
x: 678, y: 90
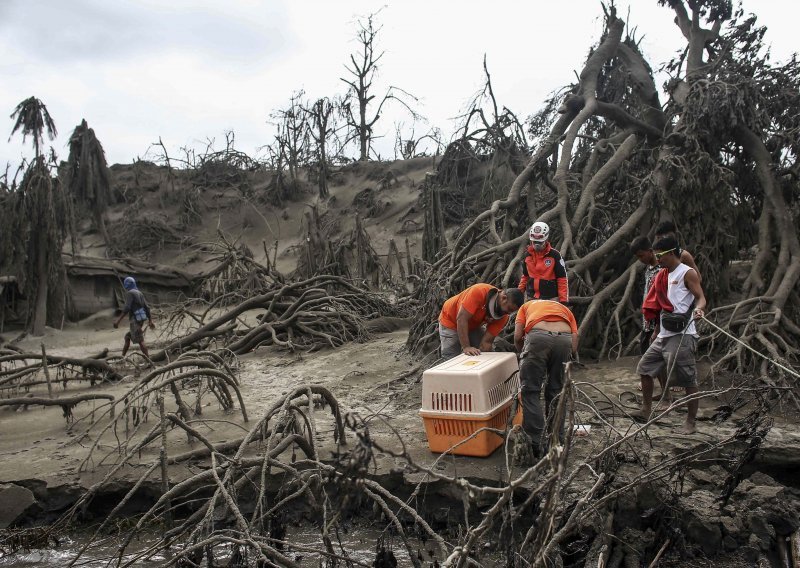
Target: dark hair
x: 515, y: 296
x: 667, y: 243
x: 666, y: 227
x: 640, y: 243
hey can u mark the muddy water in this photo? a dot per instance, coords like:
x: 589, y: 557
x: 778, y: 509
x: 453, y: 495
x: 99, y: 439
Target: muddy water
x: 101, y: 555
x: 357, y: 544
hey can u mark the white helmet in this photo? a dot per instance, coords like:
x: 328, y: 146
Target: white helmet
x: 539, y: 232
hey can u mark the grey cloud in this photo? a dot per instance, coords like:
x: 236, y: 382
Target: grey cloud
x: 95, y: 30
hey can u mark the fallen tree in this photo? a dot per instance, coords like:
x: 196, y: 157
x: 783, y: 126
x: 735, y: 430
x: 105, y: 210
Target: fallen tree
x: 316, y: 312
x: 192, y: 375
x: 67, y: 403
x: 25, y: 370
x: 610, y: 160
x: 573, y: 506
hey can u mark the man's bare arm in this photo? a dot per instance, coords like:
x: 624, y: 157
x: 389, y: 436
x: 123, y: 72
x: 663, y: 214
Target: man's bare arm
x: 487, y: 342
x: 462, y: 327
x: 692, y: 280
x: 688, y: 259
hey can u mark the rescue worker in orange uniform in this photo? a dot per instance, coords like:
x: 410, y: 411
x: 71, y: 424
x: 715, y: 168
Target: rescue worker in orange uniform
x: 546, y: 335
x: 469, y: 321
x: 544, y: 274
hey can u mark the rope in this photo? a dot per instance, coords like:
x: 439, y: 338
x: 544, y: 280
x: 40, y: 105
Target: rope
x: 739, y: 341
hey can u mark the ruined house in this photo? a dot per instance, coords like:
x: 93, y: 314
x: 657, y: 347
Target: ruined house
x: 95, y: 284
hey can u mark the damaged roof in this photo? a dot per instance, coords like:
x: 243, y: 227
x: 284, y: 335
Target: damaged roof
x: 145, y: 272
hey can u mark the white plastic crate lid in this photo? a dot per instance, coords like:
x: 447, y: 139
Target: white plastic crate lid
x: 469, y: 384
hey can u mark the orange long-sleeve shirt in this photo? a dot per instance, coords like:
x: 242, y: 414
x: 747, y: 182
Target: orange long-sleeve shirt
x: 544, y: 275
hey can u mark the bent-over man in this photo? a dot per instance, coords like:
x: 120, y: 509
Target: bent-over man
x: 138, y: 313
x: 469, y: 321
x: 546, y: 335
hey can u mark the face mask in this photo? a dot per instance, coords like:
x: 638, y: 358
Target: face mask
x: 494, y: 308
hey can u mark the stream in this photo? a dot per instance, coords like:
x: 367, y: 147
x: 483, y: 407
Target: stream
x: 359, y: 545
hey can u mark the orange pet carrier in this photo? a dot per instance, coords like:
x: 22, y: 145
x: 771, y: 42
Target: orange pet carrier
x: 465, y: 394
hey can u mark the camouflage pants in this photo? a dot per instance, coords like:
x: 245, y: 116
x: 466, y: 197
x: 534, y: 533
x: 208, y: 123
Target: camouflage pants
x: 136, y: 333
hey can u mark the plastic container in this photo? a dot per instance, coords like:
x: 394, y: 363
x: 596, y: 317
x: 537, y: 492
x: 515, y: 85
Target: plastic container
x: 465, y: 394
x: 471, y: 384
x: 446, y: 431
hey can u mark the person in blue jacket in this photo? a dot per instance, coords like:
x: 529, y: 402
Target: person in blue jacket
x: 138, y: 313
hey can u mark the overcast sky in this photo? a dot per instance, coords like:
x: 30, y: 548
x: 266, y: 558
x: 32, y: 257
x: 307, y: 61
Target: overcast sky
x: 188, y: 70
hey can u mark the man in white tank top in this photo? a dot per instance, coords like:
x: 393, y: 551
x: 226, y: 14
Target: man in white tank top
x: 673, y: 348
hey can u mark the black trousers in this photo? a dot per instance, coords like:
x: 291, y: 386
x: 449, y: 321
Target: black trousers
x: 542, y: 367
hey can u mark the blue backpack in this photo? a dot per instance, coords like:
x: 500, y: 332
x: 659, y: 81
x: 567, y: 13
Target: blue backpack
x: 138, y: 309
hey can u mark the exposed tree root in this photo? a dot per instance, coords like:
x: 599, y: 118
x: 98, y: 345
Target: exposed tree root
x: 66, y: 403
x: 23, y: 369
x: 610, y: 161
x: 313, y: 313
x: 234, y: 507
x: 205, y: 373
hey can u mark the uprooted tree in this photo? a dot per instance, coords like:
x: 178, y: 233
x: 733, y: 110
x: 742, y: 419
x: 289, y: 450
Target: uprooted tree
x: 607, y: 166
x: 572, y: 507
x: 610, y: 160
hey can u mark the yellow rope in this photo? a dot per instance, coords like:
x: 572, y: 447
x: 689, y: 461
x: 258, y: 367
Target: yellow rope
x: 737, y: 340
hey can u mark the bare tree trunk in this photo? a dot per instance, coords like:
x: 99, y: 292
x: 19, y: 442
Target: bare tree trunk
x: 46, y: 372
x: 40, y: 308
x: 315, y: 244
x: 101, y: 226
x: 409, y: 264
x: 323, y: 169
x: 433, y: 239
x: 393, y: 251
x: 163, y: 462
x: 363, y: 130
x: 361, y: 251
